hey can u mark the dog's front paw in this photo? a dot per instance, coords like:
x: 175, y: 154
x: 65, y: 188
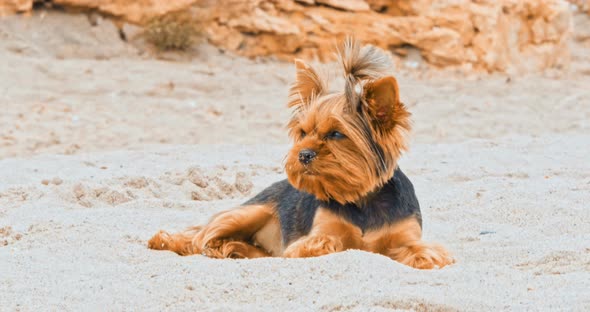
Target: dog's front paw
x: 428, y: 257
x: 313, y: 246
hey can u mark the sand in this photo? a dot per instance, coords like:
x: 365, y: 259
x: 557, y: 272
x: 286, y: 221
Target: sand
x: 103, y: 144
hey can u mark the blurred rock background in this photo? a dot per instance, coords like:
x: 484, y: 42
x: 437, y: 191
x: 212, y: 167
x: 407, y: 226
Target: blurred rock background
x: 81, y: 76
x: 512, y: 36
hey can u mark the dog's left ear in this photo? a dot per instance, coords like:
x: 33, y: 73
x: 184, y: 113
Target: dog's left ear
x: 384, y: 107
x: 308, y: 83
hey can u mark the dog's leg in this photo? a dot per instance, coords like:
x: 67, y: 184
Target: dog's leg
x: 329, y: 233
x: 226, y: 235
x: 402, y: 242
x: 235, y: 225
x: 180, y: 243
x: 235, y: 250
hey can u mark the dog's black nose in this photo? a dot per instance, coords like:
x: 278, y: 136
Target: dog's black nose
x: 306, y: 156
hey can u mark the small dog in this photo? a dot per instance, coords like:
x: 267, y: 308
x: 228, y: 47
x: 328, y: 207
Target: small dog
x: 344, y: 188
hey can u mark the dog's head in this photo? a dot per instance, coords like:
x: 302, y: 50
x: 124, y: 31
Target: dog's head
x: 347, y: 143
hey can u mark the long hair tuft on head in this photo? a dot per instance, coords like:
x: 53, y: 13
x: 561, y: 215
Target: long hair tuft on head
x: 366, y: 63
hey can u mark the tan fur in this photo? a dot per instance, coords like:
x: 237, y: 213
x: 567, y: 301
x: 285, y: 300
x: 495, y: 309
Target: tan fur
x: 234, y: 249
x: 309, y: 84
x: 402, y: 242
x: 269, y: 237
x: 238, y: 224
x: 180, y: 243
x: 329, y: 233
x: 228, y: 234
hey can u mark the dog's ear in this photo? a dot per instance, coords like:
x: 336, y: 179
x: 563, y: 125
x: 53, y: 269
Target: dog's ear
x: 308, y: 84
x: 383, y: 104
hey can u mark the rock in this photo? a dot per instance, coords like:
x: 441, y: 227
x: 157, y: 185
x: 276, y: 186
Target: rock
x: 134, y: 11
x: 347, y: 5
x: 9, y: 7
x: 504, y: 35
x: 492, y: 35
x: 400, y: 7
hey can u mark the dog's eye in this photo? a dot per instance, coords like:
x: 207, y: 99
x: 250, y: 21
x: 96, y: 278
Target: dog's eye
x: 335, y: 135
x: 302, y: 134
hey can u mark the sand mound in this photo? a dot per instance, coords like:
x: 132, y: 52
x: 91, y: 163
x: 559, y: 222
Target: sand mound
x: 516, y: 222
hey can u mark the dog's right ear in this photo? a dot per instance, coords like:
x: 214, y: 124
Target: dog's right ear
x: 308, y: 84
x: 384, y: 106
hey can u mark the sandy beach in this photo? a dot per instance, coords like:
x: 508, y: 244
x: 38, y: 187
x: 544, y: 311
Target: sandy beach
x: 102, y: 145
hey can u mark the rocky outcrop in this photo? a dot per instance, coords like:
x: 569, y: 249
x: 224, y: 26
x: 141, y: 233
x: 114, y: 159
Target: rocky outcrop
x: 494, y: 35
x: 135, y: 11
x: 8, y: 7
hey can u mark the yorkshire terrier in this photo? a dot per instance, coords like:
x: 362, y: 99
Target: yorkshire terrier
x: 344, y: 189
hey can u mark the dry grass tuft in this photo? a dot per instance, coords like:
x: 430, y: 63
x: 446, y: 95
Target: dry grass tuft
x: 172, y: 31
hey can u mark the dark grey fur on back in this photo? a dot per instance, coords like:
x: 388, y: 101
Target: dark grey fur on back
x: 395, y: 201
